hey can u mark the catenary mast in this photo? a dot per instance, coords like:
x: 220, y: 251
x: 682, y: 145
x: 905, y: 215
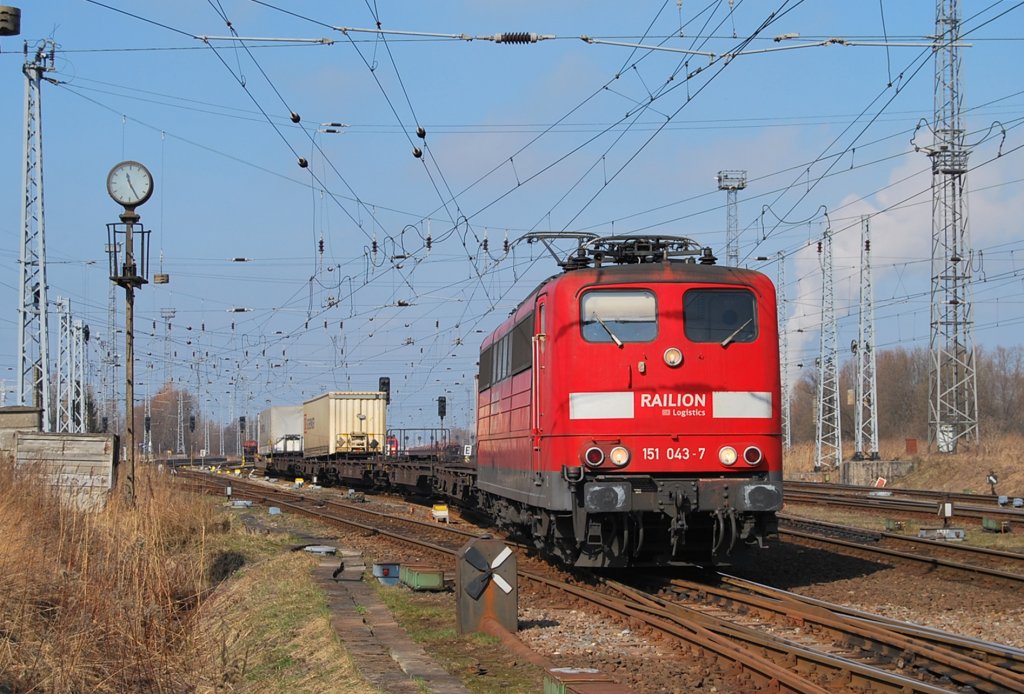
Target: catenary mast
x: 828, y: 448
x: 953, y: 393
x: 33, y: 331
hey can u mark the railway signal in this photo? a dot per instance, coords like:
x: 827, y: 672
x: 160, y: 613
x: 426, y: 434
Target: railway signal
x: 486, y: 585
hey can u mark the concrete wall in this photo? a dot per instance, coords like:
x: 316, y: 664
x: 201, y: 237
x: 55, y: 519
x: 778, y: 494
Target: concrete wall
x: 15, y: 419
x: 865, y: 472
x: 83, y: 466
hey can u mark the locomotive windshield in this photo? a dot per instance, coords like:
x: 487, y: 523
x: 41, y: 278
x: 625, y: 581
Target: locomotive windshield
x: 619, y: 316
x: 720, y: 315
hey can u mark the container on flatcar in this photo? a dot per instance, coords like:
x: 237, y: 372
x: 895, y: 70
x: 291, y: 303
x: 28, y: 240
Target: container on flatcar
x: 279, y: 430
x: 345, y: 424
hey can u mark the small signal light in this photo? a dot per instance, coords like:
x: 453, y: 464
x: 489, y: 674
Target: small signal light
x: 619, y: 456
x: 727, y: 456
x: 673, y: 356
x: 594, y: 456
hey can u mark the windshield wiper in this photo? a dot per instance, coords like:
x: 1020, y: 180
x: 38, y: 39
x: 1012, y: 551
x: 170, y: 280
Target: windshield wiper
x: 737, y: 331
x: 615, y: 338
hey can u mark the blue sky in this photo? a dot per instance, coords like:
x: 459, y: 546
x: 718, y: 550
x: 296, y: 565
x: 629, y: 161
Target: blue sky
x: 560, y: 134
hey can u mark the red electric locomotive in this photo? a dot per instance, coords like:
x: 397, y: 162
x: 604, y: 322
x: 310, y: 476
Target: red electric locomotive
x: 629, y: 409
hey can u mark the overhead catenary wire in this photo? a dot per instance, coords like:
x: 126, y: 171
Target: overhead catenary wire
x: 495, y: 273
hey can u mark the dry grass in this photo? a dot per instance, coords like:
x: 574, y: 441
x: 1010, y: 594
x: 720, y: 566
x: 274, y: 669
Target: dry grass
x: 965, y: 470
x: 100, y: 601
x: 269, y: 630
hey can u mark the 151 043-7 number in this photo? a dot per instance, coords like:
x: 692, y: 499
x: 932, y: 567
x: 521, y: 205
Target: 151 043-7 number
x: 674, y: 453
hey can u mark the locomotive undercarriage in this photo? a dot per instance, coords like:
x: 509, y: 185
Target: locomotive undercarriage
x: 619, y: 521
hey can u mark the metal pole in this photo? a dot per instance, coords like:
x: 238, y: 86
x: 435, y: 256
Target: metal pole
x: 129, y: 351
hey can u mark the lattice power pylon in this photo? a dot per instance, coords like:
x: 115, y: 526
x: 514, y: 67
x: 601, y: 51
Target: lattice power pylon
x: 953, y: 390
x: 731, y: 182
x: 783, y: 310
x: 168, y: 315
x: 80, y: 369
x: 72, y: 336
x: 828, y: 452
x: 64, y: 365
x: 147, y: 420
x: 33, y: 331
x: 109, y: 412
x: 179, y: 446
x: 865, y: 408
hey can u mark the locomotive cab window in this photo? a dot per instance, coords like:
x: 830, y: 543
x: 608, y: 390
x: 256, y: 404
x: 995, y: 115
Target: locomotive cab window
x: 720, y: 315
x: 619, y: 316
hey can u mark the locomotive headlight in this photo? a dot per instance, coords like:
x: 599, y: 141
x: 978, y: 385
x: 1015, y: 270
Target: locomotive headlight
x: 619, y: 456
x: 594, y: 456
x: 673, y: 356
x: 727, y: 455
x: 752, y: 455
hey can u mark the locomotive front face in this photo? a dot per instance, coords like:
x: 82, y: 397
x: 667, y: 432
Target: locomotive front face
x: 666, y: 376
x: 658, y: 403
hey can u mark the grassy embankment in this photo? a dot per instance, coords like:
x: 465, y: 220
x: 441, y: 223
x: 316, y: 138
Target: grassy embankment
x: 126, y: 599
x: 963, y: 471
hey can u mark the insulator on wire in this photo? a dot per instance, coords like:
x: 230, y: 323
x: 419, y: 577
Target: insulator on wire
x: 819, y: 246
x: 505, y: 245
x: 516, y: 37
x: 374, y: 247
x: 321, y: 244
x: 485, y: 244
x: 421, y: 132
x: 295, y: 117
x: 430, y: 242
x: 417, y: 152
x: 303, y: 163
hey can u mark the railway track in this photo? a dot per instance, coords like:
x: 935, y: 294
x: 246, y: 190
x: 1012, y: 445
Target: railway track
x: 965, y: 559
x: 873, y: 654
x: 858, y: 649
x: 982, y: 500
x: 971, y: 507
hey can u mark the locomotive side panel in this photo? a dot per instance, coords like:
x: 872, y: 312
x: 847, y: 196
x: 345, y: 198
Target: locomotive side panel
x: 506, y: 426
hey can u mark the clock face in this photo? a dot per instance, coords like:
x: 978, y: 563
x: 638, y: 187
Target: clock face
x: 130, y: 184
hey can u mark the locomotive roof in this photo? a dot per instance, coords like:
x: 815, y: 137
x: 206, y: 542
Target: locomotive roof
x: 639, y: 273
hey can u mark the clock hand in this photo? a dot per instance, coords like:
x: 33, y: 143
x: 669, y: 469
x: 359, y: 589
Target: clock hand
x: 128, y: 178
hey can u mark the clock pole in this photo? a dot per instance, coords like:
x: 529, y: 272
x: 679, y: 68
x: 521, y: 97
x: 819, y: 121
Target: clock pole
x: 129, y: 192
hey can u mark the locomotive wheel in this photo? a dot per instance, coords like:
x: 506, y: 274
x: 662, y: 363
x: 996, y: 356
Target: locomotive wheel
x: 563, y: 540
x: 613, y: 534
x: 541, y: 529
